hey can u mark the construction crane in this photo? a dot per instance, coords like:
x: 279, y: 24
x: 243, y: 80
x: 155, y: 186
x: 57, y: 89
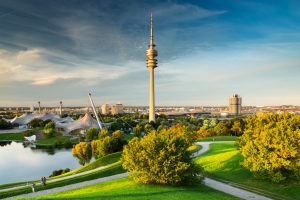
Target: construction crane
x: 93, y: 106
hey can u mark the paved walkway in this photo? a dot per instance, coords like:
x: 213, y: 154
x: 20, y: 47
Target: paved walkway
x: 217, y: 185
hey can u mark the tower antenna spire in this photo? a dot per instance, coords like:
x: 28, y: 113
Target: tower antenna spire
x: 151, y: 31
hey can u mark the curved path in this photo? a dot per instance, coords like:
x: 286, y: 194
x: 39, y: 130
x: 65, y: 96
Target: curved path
x: 217, y: 185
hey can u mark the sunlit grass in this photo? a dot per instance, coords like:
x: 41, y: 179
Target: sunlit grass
x: 223, y: 161
x: 126, y: 189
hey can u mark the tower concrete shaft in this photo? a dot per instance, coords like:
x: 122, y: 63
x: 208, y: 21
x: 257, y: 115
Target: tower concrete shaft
x: 39, y: 103
x: 151, y: 53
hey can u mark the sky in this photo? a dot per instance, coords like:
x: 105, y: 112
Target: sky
x: 207, y: 50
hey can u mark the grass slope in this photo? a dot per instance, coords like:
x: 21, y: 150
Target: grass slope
x: 115, y: 168
x: 106, y: 160
x: 223, y: 161
x: 12, y: 136
x: 218, y: 138
x: 127, y: 189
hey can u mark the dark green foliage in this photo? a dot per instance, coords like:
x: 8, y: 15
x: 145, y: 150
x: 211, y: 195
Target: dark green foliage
x: 36, y: 123
x: 59, y: 172
x: 91, y: 133
x: 271, y: 146
x: 107, y: 145
x: 162, y: 158
x: 5, y: 125
x: 137, y: 131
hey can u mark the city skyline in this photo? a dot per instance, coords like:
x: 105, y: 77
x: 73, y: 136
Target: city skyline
x: 209, y: 50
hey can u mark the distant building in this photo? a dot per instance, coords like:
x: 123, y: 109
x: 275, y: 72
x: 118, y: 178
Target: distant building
x: 105, y: 109
x: 116, y: 109
x: 235, y: 105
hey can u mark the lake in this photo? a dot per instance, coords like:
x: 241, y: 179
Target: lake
x: 19, y: 163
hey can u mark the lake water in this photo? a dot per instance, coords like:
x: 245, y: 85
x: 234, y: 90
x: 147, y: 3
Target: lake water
x: 19, y: 163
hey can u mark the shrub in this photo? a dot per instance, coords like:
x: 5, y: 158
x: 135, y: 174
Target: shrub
x: 271, y: 147
x: 107, y: 145
x: 36, y: 123
x: 162, y: 158
x: 103, y: 133
x: 59, y: 172
x: 5, y: 125
x: 83, y: 152
x: 91, y: 133
x: 49, y: 129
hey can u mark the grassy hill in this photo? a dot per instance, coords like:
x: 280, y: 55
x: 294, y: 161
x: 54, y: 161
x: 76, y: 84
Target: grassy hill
x: 126, y: 189
x: 223, y: 162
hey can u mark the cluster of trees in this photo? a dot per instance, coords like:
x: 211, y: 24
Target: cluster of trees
x: 214, y: 127
x: 49, y: 129
x: 271, y: 146
x: 5, y: 125
x: 162, y: 157
x: 105, y: 144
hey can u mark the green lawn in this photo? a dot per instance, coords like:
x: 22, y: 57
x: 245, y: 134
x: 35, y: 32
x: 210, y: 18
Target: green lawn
x: 223, y: 161
x: 57, y: 140
x: 126, y: 189
x: 115, y: 168
x: 12, y: 136
x: 218, y: 138
x: 106, y: 160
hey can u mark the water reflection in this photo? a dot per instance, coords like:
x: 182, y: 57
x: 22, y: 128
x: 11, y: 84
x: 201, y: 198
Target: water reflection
x: 20, y: 162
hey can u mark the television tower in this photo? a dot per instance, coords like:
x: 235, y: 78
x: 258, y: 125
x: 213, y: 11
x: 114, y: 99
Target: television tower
x: 151, y: 53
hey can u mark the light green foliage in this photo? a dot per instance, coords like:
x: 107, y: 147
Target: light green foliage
x: 49, y: 129
x: 107, y: 145
x: 223, y: 161
x: 83, y: 152
x: 137, y: 131
x: 162, y: 157
x: 148, y: 128
x: 271, y: 146
x: 117, y: 134
x: 221, y: 129
x: 91, y: 133
x: 103, y: 133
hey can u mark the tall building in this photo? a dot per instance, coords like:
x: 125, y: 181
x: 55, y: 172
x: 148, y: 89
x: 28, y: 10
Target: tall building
x: 151, y: 53
x: 105, y: 109
x: 235, y: 104
x: 116, y: 109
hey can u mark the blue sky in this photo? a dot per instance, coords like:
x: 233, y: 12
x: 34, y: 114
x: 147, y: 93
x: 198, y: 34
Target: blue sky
x: 208, y: 50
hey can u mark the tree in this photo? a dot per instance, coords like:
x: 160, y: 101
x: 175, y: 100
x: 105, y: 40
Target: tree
x: 221, y: 129
x: 91, y: 133
x: 148, y: 128
x: 270, y: 146
x: 107, y: 145
x: 117, y: 134
x: 137, y: 131
x: 161, y: 158
x: 5, y: 125
x: 103, y: 133
x: 36, y: 123
x: 49, y: 129
x: 83, y: 152
x: 237, y: 128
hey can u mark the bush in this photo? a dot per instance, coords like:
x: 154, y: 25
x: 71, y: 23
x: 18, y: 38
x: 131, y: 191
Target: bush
x: 59, y: 172
x: 5, y: 125
x: 107, y: 145
x: 103, y: 133
x: 83, y: 152
x: 49, y: 129
x: 91, y: 133
x: 271, y: 147
x: 162, y: 158
x: 36, y: 123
